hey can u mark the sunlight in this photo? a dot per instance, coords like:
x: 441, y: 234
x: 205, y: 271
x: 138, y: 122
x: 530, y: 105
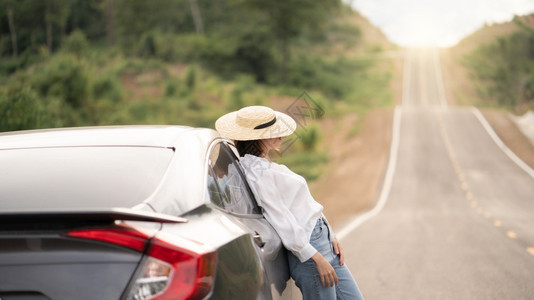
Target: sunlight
x: 413, y: 23
x: 420, y: 30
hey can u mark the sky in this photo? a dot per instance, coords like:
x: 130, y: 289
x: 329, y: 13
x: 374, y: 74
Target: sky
x: 441, y: 23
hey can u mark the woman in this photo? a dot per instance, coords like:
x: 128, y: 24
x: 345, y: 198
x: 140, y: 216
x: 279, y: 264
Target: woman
x: 316, y: 260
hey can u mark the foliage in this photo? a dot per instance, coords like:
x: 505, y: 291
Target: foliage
x: 108, y: 86
x: 254, y: 56
x: 134, y: 18
x: 21, y: 108
x: 111, y: 62
x: 18, y: 110
x: 335, y: 77
x: 65, y: 77
x: 503, y: 69
x: 308, y: 164
x: 291, y: 18
x: 191, y: 78
x: 76, y: 43
x: 310, y: 137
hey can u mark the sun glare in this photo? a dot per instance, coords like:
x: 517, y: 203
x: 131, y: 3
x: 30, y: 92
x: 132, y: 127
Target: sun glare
x: 420, y: 30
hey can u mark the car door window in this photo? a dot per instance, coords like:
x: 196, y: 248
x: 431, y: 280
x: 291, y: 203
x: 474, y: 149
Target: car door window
x: 227, y: 186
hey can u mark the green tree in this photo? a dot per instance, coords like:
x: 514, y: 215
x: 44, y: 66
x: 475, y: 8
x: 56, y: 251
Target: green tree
x: 197, y: 17
x: 56, y: 15
x: 22, y: 21
x: 109, y: 9
x: 90, y: 17
x: 21, y: 108
x: 290, y: 18
x: 11, y: 23
x: 136, y: 18
x: 503, y: 68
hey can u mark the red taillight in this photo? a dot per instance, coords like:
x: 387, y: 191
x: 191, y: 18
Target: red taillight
x: 123, y: 236
x: 176, y: 268
x: 193, y: 267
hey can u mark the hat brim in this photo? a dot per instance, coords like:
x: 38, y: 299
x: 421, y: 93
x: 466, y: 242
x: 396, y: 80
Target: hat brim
x: 228, y: 127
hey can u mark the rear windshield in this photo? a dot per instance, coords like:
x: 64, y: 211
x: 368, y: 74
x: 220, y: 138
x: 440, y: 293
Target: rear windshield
x: 79, y: 177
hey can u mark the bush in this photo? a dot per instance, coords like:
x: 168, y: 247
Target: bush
x: 171, y: 88
x: 65, y: 78
x: 186, y: 47
x: 18, y: 111
x: 308, y: 164
x: 503, y: 69
x: 9, y: 65
x: 334, y: 78
x: 217, y: 54
x: 108, y: 86
x: 244, y: 84
x: 191, y: 78
x: 76, y: 43
x: 310, y: 137
x: 138, y: 66
x: 253, y: 55
x: 346, y: 33
x: 21, y: 108
x: 147, y: 46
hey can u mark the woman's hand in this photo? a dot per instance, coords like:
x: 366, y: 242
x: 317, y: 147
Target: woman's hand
x: 326, y: 271
x: 339, y: 251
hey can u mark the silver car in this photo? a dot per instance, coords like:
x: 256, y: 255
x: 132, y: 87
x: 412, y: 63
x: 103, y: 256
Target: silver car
x: 132, y: 212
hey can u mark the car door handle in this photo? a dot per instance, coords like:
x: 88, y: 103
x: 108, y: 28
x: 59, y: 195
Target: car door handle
x: 258, y: 240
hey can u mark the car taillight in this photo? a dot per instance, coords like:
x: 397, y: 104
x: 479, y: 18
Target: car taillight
x: 186, y: 271
x: 175, y: 268
x: 120, y: 235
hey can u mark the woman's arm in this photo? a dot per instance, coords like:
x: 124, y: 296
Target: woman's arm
x: 326, y: 271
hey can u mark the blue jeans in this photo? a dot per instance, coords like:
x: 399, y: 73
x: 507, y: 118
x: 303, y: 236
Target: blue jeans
x: 307, y: 277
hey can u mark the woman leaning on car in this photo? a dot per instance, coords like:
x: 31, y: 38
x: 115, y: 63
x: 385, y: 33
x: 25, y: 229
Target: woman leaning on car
x: 316, y: 259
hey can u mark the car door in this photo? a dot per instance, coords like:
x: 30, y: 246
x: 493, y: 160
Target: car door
x: 230, y: 192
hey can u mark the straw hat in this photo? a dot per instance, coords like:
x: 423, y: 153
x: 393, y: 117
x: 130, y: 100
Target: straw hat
x: 255, y: 123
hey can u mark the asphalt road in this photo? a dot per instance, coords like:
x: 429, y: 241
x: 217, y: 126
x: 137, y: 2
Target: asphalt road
x: 455, y: 219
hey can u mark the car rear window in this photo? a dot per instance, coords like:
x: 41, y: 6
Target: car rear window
x: 80, y: 177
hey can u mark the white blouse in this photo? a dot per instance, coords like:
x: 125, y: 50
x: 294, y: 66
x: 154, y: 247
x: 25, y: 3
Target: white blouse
x: 287, y: 203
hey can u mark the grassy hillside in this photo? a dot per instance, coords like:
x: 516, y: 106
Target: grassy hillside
x: 188, y: 78
x: 494, y: 66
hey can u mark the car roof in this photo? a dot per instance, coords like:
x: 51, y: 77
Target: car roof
x: 131, y: 135
x: 189, y: 145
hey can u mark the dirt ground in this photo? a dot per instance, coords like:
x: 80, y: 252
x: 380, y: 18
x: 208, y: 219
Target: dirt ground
x: 352, y: 180
x: 354, y: 173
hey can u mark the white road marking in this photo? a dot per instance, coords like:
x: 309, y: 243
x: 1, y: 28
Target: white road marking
x: 387, y: 180
x: 501, y: 145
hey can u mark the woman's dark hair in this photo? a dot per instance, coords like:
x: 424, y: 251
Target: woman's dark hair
x: 249, y: 147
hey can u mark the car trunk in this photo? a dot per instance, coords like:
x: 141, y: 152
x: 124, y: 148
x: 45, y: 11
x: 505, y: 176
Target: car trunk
x: 46, y: 265
x: 49, y: 255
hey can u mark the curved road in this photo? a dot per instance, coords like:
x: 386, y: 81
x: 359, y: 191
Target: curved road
x: 456, y: 216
